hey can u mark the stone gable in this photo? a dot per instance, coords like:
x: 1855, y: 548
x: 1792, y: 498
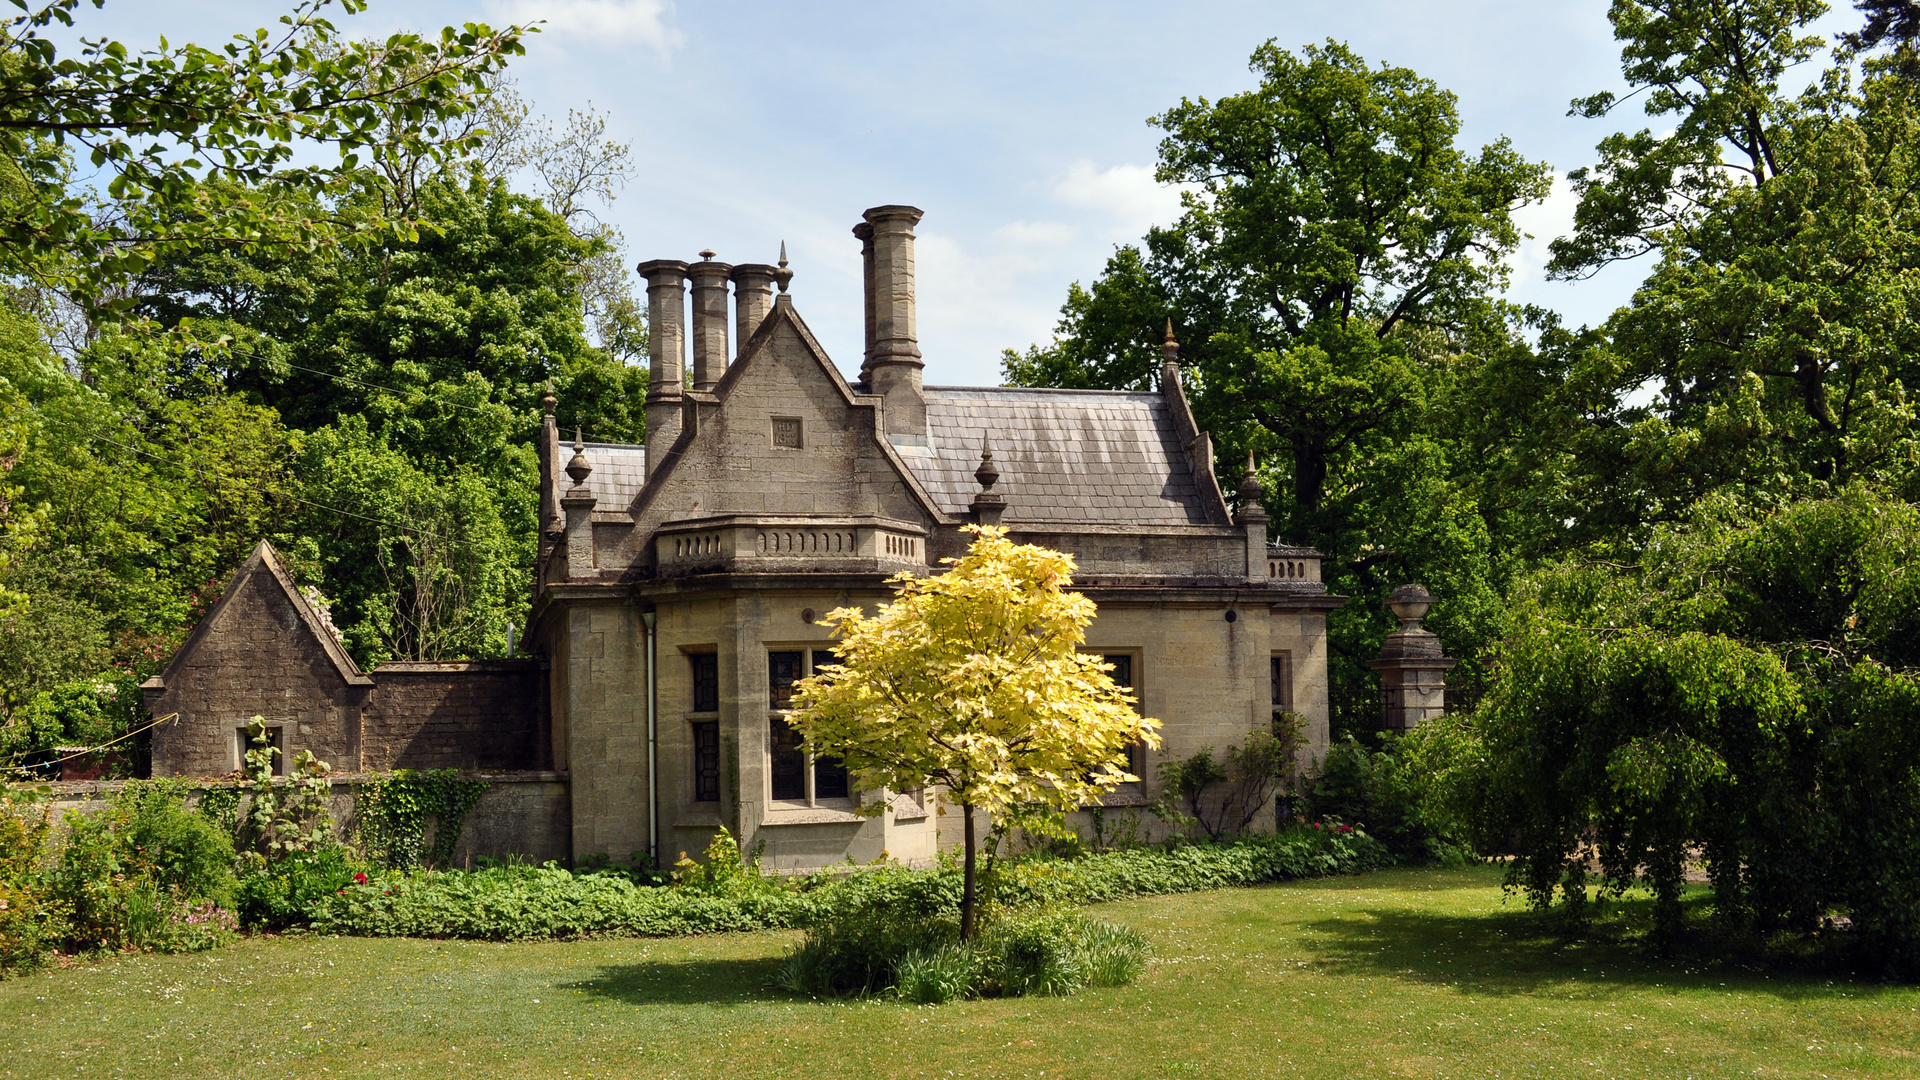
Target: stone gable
x: 262, y: 651
x: 782, y: 434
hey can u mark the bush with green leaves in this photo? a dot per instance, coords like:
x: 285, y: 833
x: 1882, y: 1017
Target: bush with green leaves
x: 1745, y: 695
x: 144, y: 872
x: 515, y: 902
x: 1386, y: 789
x: 1223, y: 797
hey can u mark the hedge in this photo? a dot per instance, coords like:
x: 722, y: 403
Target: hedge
x: 516, y: 903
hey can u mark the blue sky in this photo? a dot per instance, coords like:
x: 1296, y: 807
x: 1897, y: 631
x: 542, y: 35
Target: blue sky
x: 1019, y: 127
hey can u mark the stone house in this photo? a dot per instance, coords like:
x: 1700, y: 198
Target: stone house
x: 680, y: 584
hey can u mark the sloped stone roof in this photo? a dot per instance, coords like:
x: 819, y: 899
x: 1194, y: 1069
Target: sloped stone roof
x: 619, y: 472
x: 1065, y: 456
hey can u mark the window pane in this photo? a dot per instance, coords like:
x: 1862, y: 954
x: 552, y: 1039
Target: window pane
x: 783, y: 670
x: 1122, y: 673
x: 787, y: 762
x: 830, y: 779
x: 706, y: 682
x: 1280, y: 687
x: 706, y: 761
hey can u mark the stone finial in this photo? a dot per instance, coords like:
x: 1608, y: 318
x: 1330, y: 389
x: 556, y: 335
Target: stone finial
x: 1170, y: 349
x: 1409, y: 604
x: 1250, y: 491
x: 1250, y: 487
x: 548, y: 401
x: 782, y: 276
x: 987, y: 506
x: 708, y: 254
x: 987, y: 474
x: 579, y: 468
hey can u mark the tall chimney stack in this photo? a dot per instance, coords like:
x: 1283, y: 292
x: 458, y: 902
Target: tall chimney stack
x: 893, y: 359
x: 666, y: 352
x: 709, y: 320
x: 752, y: 300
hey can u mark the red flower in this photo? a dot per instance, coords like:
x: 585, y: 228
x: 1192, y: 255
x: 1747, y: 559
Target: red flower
x: 359, y: 879
x: 1316, y: 824
x: 1346, y: 828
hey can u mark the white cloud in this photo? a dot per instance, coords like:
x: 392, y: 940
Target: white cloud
x: 600, y: 22
x: 1127, y: 194
x: 1543, y: 222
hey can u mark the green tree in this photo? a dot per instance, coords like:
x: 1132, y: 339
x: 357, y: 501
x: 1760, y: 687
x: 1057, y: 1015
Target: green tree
x: 1776, y: 328
x: 973, y: 679
x: 203, y: 147
x: 1742, y: 693
x: 1334, y: 263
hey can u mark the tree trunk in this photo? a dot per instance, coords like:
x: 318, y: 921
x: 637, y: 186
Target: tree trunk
x: 966, y: 890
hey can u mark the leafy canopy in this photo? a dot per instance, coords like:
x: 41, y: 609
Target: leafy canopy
x: 203, y: 147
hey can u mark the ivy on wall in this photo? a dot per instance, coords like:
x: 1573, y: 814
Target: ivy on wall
x: 411, y: 819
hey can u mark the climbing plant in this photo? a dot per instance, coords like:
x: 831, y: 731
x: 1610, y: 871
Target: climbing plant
x: 410, y: 819
x: 285, y: 818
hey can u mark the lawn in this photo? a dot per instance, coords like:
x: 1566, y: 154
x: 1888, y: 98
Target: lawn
x: 1400, y: 973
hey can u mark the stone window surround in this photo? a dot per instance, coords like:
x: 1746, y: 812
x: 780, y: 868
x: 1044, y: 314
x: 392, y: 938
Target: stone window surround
x: 692, y: 811
x: 277, y: 738
x: 1285, y: 682
x: 813, y: 809
x: 1134, y: 794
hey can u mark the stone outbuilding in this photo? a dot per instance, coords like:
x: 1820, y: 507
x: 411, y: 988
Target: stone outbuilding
x: 265, y: 650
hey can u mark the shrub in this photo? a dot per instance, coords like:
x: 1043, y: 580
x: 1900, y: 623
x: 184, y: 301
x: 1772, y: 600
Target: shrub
x: 1033, y: 952
x: 31, y: 924
x: 1223, y: 797
x: 1387, y: 791
x: 1018, y: 952
x: 513, y: 902
x: 124, y: 874
x: 284, y: 893
x: 937, y: 975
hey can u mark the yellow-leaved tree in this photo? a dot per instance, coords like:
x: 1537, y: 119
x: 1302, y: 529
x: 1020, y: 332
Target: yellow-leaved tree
x: 973, y: 679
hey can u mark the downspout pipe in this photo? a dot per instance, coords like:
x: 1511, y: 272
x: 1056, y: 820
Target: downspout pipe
x: 651, y: 619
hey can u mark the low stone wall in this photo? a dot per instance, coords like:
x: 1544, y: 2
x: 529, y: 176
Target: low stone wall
x: 523, y: 815
x: 475, y: 714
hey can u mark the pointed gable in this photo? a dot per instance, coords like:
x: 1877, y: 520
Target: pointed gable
x: 782, y: 434
x: 260, y: 600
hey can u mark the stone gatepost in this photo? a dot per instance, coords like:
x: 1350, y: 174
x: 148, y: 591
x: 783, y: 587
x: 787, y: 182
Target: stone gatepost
x: 1412, y: 667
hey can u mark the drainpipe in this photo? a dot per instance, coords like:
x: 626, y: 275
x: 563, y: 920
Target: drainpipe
x: 653, y: 744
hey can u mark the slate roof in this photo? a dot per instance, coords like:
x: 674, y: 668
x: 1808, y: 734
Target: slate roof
x: 1065, y: 456
x: 619, y: 470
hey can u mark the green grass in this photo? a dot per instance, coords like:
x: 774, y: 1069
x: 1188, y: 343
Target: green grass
x: 1401, y: 973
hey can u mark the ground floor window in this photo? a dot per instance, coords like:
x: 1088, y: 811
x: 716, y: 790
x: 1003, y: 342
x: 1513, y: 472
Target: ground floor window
x: 1124, y: 666
x: 706, y: 761
x: 793, y: 775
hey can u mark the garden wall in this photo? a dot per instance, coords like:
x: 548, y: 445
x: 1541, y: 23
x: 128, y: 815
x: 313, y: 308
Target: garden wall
x: 522, y: 814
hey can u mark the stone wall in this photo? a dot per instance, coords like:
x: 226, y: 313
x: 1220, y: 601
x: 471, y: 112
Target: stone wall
x: 522, y: 814
x: 480, y: 714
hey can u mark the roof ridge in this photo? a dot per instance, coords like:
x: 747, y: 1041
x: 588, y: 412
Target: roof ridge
x: 1042, y: 390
